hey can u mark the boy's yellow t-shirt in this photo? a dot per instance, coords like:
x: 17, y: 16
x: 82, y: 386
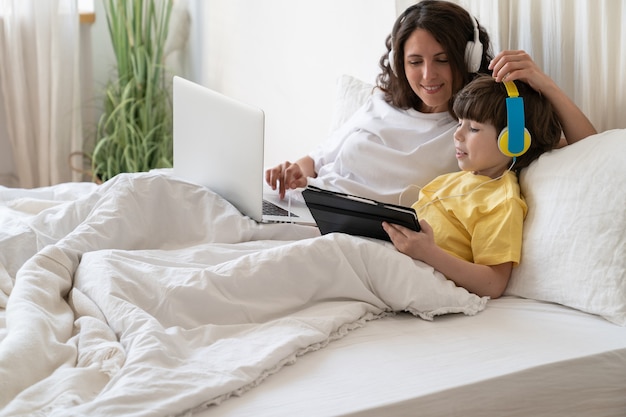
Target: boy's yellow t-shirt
x: 475, y: 217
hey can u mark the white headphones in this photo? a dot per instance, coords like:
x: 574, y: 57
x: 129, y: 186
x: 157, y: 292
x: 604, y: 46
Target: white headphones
x: 473, y: 51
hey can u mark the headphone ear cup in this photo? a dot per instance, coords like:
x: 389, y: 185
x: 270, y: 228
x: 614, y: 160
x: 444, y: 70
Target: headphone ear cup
x: 392, y: 62
x: 503, y: 143
x: 474, y: 49
x: 473, y: 56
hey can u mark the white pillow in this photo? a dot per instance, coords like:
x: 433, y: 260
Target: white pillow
x: 350, y: 94
x: 574, y: 248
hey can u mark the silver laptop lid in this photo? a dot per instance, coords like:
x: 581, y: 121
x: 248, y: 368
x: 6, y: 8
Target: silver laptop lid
x: 218, y: 143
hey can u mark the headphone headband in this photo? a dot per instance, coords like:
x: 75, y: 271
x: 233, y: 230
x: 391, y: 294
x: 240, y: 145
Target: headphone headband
x: 511, y: 89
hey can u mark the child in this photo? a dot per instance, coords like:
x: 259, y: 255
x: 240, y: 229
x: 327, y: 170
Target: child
x: 477, y: 214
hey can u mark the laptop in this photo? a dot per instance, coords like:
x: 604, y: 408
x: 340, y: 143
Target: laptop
x: 219, y: 144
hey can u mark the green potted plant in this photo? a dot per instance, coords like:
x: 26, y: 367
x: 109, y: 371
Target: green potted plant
x: 134, y: 133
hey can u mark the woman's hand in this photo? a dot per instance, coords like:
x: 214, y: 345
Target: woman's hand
x: 518, y: 65
x: 289, y: 175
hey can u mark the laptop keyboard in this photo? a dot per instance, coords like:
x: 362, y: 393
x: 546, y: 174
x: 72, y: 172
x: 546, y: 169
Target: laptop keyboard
x: 272, y: 209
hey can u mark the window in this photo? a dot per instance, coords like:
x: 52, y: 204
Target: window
x: 86, y: 10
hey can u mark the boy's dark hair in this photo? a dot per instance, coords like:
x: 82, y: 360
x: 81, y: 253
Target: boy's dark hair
x: 484, y: 101
x: 451, y: 25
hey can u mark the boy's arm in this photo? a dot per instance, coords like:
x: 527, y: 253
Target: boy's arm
x: 482, y: 280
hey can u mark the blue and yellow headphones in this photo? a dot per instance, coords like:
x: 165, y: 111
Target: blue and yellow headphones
x: 514, y: 140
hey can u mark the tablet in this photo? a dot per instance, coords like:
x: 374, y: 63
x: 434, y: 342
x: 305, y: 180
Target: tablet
x: 354, y: 215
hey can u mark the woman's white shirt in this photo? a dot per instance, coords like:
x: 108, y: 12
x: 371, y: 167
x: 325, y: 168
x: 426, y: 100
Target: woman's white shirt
x: 382, y: 150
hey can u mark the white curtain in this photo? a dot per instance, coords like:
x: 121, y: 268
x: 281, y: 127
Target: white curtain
x: 39, y: 73
x: 581, y: 44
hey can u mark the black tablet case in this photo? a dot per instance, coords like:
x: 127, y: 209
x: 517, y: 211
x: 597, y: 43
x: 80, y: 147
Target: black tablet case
x: 338, y: 212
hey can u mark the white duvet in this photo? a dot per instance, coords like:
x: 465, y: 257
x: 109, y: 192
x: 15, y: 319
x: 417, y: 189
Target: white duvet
x: 149, y: 296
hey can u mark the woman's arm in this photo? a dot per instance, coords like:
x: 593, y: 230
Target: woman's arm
x: 518, y: 65
x: 290, y: 175
x: 482, y: 280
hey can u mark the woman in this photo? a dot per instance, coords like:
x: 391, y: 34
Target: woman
x: 403, y: 134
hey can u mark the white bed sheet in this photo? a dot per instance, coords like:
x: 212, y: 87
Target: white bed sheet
x: 516, y: 358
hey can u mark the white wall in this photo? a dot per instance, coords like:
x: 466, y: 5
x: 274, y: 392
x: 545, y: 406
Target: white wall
x: 285, y: 57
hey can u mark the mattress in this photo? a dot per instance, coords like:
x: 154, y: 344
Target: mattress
x: 518, y: 357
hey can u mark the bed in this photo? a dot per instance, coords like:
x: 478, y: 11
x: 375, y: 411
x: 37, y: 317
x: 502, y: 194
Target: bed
x: 151, y: 296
